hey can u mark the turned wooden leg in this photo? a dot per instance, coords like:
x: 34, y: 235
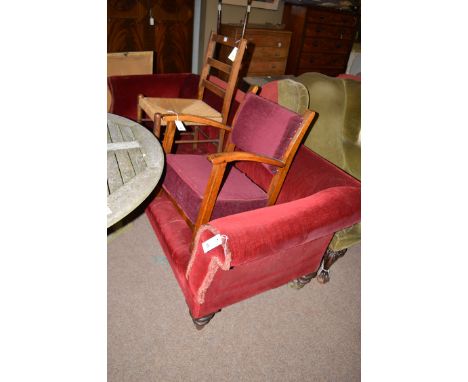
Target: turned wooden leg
x: 301, y: 281
x: 328, y: 260
x: 157, y: 125
x: 201, y: 322
x: 139, y: 110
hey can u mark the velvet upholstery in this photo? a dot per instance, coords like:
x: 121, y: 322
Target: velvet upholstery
x: 261, y: 233
x: 336, y: 134
x: 125, y: 89
x: 284, y: 241
x: 261, y: 127
x: 289, y: 94
x: 186, y: 179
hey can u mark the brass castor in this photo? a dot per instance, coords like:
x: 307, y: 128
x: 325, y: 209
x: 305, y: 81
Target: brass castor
x: 328, y: 260
x: 301, y: 281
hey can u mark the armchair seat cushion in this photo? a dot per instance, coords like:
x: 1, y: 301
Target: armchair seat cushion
x: 187, y: 177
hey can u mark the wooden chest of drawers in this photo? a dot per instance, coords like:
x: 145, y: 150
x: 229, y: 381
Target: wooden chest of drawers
x: 267, y: 49
x: 322, y: 38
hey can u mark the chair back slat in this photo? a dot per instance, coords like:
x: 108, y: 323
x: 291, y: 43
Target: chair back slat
x: 230, y: 68
x: 214, y: 88
x: 224, y: 40
x: 219, y: 65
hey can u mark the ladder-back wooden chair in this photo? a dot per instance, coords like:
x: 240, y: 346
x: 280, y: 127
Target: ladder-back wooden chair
x: 202, y: 188
x: 157, y: 108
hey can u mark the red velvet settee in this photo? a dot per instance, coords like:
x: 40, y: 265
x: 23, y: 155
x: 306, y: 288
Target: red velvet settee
x: 266, y: 247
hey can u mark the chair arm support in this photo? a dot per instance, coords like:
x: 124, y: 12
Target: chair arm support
x: 218, y: 158
x: 219, y: 162
x: 197, y: 119
x: 169, y: 136
x: 266, y: 231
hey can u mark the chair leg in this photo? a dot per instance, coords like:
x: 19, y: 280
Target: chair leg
x: 328, y: 260
x: 221, y: 140
x: 157, y: 125
x: 300, y: 282
x: 139, y: 110
x: 201, y: 322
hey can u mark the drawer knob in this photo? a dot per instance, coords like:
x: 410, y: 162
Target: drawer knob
x: 279, y: 44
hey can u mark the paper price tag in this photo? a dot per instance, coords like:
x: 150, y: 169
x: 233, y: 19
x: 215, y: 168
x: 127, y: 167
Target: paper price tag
x: 180, y: 126
x: 209, y: 244
x: 232, y: 55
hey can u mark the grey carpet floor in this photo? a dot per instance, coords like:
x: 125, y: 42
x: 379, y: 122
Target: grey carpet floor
x: 312, y: 334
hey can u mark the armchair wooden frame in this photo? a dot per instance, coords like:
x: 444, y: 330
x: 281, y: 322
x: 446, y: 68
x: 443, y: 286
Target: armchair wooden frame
x: 219, y: 162
x: 227, y: 93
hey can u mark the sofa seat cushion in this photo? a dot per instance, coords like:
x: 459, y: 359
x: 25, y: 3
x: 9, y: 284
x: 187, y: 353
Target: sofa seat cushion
x: 186, y: 179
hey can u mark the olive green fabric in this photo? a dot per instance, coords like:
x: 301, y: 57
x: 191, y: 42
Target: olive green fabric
x: 336, y: 134
x: 293, y: 95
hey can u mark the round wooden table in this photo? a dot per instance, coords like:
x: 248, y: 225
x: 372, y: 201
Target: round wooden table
x: 135, y: 161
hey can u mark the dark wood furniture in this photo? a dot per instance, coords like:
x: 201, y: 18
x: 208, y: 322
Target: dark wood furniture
x: 168, y: 35
x: 322, y: 38
x: 267, y: 48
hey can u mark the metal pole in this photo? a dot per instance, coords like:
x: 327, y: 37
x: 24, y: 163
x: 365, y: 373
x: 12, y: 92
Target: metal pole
x: 246, y: 18
x: 218, y: 27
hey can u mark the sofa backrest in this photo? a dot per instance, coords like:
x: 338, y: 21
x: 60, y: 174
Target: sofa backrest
x: 127, y: 63
x: 336, y: 135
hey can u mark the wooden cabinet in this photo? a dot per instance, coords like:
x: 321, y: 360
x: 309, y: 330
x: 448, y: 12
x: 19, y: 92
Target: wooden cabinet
x: 169, y: 36
x: 267, y: 49
x: 322, y: 38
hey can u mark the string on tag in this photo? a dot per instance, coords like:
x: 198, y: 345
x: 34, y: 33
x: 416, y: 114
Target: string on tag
x: 179, y: 124
x: 173, y: 112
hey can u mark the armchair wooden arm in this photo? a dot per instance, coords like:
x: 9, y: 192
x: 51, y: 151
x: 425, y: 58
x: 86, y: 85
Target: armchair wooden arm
x: 171, y: 127
x: 218, y: 158
x: 219, y: 161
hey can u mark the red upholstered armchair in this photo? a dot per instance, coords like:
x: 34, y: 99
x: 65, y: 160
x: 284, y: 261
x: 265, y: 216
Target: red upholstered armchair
x: 263, y: 133
x: 263, y: 248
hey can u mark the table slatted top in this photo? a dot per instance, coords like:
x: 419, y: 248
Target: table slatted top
x: 135, y: 161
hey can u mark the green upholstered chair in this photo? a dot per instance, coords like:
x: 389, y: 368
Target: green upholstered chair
x: 336, y: 136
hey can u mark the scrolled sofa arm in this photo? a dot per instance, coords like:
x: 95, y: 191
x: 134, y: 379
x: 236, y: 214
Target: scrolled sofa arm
x: 262, y: 232
x: 125, y: 89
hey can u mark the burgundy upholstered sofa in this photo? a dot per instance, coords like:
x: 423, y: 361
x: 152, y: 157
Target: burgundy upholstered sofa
x: 266, y: 247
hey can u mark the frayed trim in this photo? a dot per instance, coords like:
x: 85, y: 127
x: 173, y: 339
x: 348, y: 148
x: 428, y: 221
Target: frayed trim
x: 215, y: 261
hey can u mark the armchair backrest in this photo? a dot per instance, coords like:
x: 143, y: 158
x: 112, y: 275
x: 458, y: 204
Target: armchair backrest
x: 265, y: 128
x: 336, y: 135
